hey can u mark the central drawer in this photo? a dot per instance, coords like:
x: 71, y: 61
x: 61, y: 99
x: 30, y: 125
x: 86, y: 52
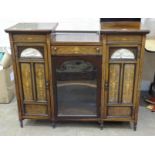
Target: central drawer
x: 76, y: 50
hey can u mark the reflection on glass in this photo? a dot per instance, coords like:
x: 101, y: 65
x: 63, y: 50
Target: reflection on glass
x: 31, y: 53
x: 76, y: 88
x: 123, y: 54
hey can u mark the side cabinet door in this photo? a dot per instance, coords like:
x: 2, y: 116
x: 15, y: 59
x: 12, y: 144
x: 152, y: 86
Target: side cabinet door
x: 33, y: 78
x: 121, y: 81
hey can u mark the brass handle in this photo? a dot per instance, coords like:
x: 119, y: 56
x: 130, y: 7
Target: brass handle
x: 106, y: 86
x: 54, y: 50
x: 98, y: 50
x: 47, y: 84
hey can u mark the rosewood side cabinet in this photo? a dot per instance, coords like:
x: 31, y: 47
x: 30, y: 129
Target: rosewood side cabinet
x: 91, y: 76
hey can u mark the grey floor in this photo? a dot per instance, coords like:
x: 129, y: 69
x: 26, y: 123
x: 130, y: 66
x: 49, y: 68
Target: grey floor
x: 9, y: 126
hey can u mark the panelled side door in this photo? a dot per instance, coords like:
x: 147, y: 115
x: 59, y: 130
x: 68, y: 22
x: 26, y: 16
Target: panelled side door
x: 121, y: 80
x: 32, y: 69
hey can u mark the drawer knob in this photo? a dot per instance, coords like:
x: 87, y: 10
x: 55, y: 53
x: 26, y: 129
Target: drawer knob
x: 98, y: 50
x: 55, y: 48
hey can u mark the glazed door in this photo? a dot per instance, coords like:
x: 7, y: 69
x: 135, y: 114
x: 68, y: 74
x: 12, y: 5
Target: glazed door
x: 77, y: 86
x: 121, y: 76
x: 33, y: 79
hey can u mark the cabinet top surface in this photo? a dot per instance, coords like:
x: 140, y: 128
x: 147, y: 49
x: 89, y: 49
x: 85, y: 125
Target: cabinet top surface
x: 49, y: 27
x: 32, y: 27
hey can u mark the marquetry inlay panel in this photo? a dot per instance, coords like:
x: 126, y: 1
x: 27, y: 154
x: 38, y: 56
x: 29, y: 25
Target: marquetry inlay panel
x: 26, y: 81
x: 40, y: 81
x: 128, y: 83
x: 119, y: 111
x: 36, y: 109
x: 114, y: 82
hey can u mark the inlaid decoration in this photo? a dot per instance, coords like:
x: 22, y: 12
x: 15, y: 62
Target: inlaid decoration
x: 31, y: 53
x: 128, y: 83
x: 76, y: 66
x: 26, y: 81
x: 123, y: 54
x: 73, y: 70
x: 114, y: 83
x: 77, y: 50
x: 40, y: 81
x: 36, y: 109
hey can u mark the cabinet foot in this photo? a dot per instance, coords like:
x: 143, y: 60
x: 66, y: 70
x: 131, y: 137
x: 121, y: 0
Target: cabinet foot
x: 131, y: 125
x: 135, y: 126
x: 101, y: 125
x: 21, y: 123
x: 53, y: 124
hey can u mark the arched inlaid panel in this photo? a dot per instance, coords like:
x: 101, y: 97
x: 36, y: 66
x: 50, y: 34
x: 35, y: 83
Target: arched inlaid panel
x: 123, y: 53
x: 31, y: 53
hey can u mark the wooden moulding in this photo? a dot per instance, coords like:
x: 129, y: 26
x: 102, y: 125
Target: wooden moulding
x: 119, y: 111
x: 29, y: 38
x: 125, y: 38
x: 120, y: 23
x: 34, y: 109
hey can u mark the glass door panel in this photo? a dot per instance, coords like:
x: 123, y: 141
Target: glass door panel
x: 76, y: 87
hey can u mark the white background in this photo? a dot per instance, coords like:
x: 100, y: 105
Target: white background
x: 66, y: 11
x: 69, y: 13
x: 64, y: 24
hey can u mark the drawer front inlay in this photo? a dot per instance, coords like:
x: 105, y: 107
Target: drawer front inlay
x: 36, y: 109
x: 29, y: 38
x: 76, y: 50
x: 119, y: 111
x: 125, y: 38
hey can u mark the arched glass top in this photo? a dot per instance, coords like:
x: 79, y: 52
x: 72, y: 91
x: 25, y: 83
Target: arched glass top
x: 31, y: 53
x: 123, y: 54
